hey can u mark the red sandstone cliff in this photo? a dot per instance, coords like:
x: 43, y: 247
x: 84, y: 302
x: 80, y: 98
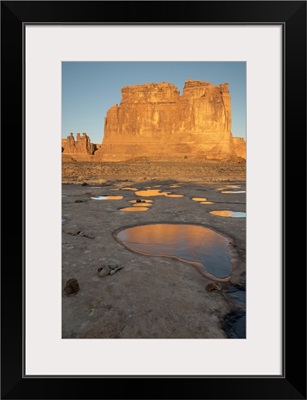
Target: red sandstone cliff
x: 81, y: 145
x: 240, y: 147
x: 81, y: 149
x: 154, y: 121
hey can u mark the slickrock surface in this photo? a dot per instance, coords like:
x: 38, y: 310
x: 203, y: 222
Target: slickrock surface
x: 155, y: 121
x: 150, y: 297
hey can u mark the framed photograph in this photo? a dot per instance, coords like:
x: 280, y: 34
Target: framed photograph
x: 162, y: 149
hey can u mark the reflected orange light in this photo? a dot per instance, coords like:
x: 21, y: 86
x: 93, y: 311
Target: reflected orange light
x: 196, y: 245
x: 107, y: 198
x: 233, y: 191
x: 150, y: 193
x: 227, y: 213
x: 134, y: 209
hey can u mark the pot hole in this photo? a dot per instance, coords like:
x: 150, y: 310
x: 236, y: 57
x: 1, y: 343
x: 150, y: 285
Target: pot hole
x: 135, y: 208
x: 107, y: 198
x: 142, y: 205
x: 150, y: 193
x: 227, y: 187
x: 193, y: 244
x: 227, y: 213
x: 174, y: 195
x: 232, y: 191
x: 154, y: 192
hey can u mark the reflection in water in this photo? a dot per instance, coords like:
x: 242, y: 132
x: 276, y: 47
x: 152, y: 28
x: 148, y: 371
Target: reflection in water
x: 199, y: 198
x: 150, y: 193
x: 229, y: 187
x: 196, y: 245
x: 174, y: 186
x: 233, y: 191
x: 107, y: 198
x: 156, y: 192
x: 174, y: 195
x: 134, y: 209
x: 206, y: 202
x: 129, y: 188
x: 226, y: 213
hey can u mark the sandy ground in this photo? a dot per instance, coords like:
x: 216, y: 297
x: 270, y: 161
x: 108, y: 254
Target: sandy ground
x: 144, y: 170
x: 151, y: 297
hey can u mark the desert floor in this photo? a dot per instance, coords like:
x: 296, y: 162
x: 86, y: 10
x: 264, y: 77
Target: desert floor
x: 151, y: 297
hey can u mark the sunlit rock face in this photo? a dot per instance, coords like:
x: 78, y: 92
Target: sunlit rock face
x: 81, y: 148
x: 240, y: 147
x: 154, y: 121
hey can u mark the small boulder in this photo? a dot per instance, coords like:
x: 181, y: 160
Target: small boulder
x: 71, y: 287
x: 103, y: 271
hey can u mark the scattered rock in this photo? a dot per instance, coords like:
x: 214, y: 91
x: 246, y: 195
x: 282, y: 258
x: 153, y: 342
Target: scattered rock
x: 72, y: 286
x: 109, y: 268
x: 73, y: 231
x: 115, y: 270
x: 212, y: 286
x: 79, y: 201
x: 103, y: 271
x: 84, y: 184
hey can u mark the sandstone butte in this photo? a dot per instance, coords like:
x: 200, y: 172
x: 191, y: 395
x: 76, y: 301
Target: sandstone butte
x: 155, y: 122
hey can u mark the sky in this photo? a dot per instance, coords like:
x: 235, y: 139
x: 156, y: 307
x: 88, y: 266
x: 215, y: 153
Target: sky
x: 89, y: 89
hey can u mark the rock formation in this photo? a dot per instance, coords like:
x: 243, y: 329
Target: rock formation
x: 240, y: 147
x: 82, y: 145
x: 81, y: 149
x: 154, y: 121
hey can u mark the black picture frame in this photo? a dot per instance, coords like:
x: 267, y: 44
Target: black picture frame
x: 292, y: 16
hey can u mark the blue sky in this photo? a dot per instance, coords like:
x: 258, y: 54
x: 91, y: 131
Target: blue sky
x: 89, y: 89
